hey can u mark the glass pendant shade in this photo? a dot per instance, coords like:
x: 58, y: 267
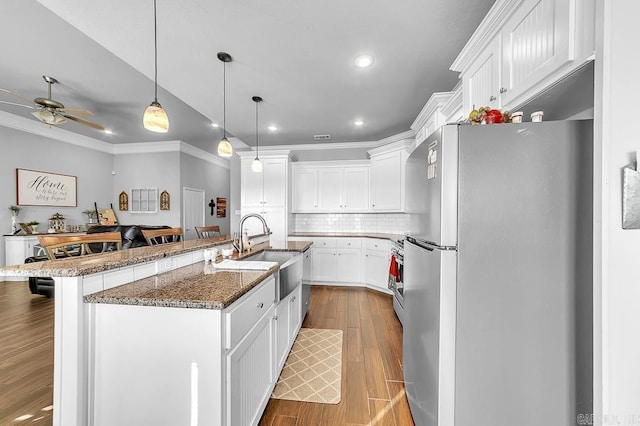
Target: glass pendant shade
x: 224, y: 148
x: 256, y: 166
x: 155, y: 118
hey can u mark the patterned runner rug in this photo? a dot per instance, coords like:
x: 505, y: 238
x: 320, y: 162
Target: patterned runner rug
x: 312, y: 372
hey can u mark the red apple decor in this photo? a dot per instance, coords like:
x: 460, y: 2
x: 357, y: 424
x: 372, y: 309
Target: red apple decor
x: 494, y: 116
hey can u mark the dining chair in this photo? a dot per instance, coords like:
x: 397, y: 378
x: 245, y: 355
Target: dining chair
x: 162, y: 236
x: 60, y: 246
x: 208, y: 231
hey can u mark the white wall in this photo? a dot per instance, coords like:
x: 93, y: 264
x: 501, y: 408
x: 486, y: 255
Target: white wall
x: 213, y: 179
x: 25, y: 150
x: 149, y: 170
x: 617, y: 274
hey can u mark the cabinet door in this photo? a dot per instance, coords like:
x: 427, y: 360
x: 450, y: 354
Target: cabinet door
x: 276, y: 218
x: 250, y: 185
x: 355, y: 193
x: 376, y: 269
x: 330, y: 189
x: 537, y: 40
x: 305, y: 190
x: 283, y: 334
x: 250, y: 374
x: 306, y: 266
x: 386, y: 181
x: 349, y: 266
x: 295, y: 305
x: 482, y: 82
x: 274, y: 173
x: 324, y: 264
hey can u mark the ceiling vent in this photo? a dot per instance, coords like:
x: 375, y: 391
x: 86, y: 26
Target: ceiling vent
x: 321, y: 137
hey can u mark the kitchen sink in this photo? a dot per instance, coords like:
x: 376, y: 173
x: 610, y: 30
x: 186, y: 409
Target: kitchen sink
x: 290, y: 274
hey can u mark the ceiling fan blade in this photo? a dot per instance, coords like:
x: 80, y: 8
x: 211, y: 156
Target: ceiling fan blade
x: 75, y: 111
x: 13, y: 103
x: 82, y: 121
x: 16, y: 95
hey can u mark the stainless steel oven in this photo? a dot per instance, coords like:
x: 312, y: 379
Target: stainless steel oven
x: 396, y: 278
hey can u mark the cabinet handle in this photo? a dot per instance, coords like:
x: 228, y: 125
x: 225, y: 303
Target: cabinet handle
x: 260, y: 305
x: 275, y: 317
x: 503, y: 90
x: 492, y: 98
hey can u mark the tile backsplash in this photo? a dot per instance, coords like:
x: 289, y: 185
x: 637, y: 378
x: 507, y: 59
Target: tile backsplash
x: 391, y: 223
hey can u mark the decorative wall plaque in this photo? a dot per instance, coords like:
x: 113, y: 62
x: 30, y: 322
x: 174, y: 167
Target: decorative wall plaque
x: 165, y: 200
x: 36, y: 188
x: 123, y: 201
x: 221, y: 210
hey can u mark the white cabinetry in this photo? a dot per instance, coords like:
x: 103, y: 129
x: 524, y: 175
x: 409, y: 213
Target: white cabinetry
x: 266, y: 193
x: 16, y: 249
x: 305, y: 190
x: 330, y: 187
x: 387, y: 182
x: 288, y: 323
x: 523, y: 47
x: 376, y: 263
x: 324, y: 264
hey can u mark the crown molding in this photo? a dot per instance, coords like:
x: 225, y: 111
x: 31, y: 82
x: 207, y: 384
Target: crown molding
x: 488, y: 28
x: 332, y: 163
x: 56, y: 133
x: 399, y: 145
x: 271, y: 154
x: 169, y: 146
x: 322, y: 146
x: 454, y: 102
x: 437, y: 100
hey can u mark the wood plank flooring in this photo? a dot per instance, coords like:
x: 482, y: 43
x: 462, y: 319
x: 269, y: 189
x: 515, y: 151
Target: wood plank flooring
x: 26, y: 356
x: 372, y: 386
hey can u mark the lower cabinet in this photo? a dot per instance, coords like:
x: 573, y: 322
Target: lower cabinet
x: 180, y: 366
x: 250, y: 374
x: 324, y: 264
x: 288, y: 320
x: 376, y: 268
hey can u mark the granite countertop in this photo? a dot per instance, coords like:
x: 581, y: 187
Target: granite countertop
x: 94, y: 263
x: 392, y: 237
x: 187, y: 287
x: 192, y: 287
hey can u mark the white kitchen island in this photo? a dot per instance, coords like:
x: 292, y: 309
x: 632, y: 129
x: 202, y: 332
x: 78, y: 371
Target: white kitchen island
x: 143, y: 335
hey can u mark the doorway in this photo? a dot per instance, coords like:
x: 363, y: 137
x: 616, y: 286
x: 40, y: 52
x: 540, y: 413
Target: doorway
x: 192, y: 211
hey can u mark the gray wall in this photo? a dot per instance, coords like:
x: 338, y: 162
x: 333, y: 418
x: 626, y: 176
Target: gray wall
x: 155, y: 170
x: 214, y: 180
x: 28, y: 151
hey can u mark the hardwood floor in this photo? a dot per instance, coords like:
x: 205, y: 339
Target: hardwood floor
x: 26, y: 356
x: 372, y: 386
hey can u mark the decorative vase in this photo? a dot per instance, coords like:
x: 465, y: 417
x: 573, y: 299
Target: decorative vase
x: 14, y: 223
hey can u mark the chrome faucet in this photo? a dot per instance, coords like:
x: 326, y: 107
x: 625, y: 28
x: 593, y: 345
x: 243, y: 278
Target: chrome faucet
x: 265, y: 228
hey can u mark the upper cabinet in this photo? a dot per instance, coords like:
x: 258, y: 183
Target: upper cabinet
x: 330, y: 187
x: 523, y: 47
x: 267, y: 189
x: 387, y: 181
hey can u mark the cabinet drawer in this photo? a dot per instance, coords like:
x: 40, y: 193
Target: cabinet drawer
x: 245, y: 313
x: 354, y: 243
x: 377, y: 244
x: 324, y: 242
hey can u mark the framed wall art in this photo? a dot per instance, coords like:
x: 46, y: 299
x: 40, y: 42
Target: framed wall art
x: 35, y: 188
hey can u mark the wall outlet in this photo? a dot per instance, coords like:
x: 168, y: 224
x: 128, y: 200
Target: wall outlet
x: 164, y: 265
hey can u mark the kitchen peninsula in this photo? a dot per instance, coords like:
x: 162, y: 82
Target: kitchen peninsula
x: 200, y: 329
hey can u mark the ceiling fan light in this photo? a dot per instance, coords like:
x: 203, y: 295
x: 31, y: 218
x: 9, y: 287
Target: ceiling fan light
x: 49, y: 117
x: 256, y: 166
x: 155, y: 118
x: 224, y: 148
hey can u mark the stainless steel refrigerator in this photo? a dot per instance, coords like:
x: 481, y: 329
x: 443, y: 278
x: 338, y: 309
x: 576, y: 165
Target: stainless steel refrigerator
x: 498, y: 275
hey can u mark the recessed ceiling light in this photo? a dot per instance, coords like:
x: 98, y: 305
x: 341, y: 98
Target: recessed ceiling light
x: 363, y: 61
x: 358, y: 123
x: 214, y: 125
x: 272, y: 128
x: 108, y: 132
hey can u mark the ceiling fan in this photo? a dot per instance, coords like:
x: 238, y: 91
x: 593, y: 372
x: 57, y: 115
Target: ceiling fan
x: 50, y: 111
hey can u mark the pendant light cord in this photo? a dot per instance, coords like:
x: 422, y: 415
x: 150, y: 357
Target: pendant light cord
x: 257, y: 130
x: 155, y: 43
x: 224, y: 100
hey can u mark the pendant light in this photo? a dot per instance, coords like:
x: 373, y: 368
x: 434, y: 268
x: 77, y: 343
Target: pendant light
x: 224, y: 146
x: 256, y: 166
x: 155, y: 118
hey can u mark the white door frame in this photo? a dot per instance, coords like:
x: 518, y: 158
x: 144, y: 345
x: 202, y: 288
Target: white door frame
x: 188, y: 230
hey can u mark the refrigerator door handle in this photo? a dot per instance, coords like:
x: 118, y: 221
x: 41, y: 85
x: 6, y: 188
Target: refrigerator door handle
x: 428, y: 245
